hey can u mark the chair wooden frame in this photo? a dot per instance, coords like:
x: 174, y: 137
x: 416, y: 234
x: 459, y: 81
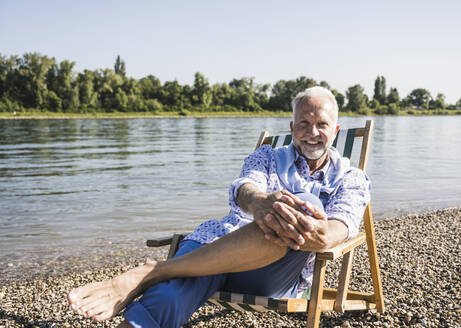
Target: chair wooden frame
x: 321, y: 299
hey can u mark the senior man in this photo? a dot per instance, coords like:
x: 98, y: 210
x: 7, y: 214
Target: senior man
x: 287, y: 204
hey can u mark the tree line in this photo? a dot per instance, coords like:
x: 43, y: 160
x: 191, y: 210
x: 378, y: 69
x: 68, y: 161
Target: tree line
x: 37, y: 82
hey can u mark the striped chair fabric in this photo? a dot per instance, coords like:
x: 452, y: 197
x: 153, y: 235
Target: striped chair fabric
x: 242, y: 302
x: 343, y: 142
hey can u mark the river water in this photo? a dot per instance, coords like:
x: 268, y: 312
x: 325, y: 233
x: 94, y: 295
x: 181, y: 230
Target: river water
x: 67, y: 186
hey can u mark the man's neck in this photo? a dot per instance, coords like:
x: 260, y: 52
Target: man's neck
x: 317, y: 164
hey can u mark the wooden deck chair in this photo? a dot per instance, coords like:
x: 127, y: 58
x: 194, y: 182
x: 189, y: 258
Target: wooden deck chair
x: 321, y: 299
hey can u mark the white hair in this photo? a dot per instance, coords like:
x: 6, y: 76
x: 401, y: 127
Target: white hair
x: 312, y: 92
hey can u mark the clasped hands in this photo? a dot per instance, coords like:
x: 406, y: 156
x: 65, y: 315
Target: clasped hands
x: 284, y: 222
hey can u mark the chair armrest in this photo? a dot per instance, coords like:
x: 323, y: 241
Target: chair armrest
x: 163, y: 241
x: 341, y: 249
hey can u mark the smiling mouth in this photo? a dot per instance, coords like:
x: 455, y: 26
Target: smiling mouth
x: 313, y: 143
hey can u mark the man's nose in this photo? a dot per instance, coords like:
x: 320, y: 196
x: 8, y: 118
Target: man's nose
x: 313, y: 131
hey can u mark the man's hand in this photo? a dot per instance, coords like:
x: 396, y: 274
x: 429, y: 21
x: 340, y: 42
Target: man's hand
x: 293, y: 226
x: 316, y: 231
x: 303, y: 230
x: 260, y: 205
x: 280, y: 215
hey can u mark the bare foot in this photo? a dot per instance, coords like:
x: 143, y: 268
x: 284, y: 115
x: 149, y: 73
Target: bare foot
x: 103, y: 300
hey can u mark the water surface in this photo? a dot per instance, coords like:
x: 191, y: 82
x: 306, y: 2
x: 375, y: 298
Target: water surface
x: 73, y: 185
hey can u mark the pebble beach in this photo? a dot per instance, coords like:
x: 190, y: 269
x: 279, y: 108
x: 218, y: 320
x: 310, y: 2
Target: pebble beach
x: 420, y: 260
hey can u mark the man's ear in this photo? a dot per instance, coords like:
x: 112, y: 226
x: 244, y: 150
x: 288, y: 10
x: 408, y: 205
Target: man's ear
x: 291, y: 127
x: 336, y: 129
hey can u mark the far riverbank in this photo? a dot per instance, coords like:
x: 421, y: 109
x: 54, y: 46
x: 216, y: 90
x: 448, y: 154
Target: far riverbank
x: 185, y: 113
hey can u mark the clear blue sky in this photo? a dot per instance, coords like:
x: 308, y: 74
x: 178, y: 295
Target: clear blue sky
x: 413, y: 44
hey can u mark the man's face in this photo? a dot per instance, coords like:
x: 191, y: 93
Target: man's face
x: 314, y: 128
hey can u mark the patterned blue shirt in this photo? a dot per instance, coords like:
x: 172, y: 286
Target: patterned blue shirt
x: 347, y: 203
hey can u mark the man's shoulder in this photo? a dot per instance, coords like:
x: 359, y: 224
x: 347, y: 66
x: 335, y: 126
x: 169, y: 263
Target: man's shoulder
x: 264, y: 150
x: 355, y: 176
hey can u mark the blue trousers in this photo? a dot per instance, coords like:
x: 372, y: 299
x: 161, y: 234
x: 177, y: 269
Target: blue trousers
x: 171, y: 303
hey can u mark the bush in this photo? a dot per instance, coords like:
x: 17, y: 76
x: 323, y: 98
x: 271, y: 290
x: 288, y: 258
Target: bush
x: 3, y: 106
x: 393, y: 109
x: 228, y: 108
x: 184, y: 112
x: 136, y: 104
x: 7, y: 105
x: 364, y: 111
x: 198, y: 108
x: 52, y: 102
x: 374, y: 104
x: 153, y: 105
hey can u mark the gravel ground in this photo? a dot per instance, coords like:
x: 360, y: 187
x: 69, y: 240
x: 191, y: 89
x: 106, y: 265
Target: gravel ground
x: 420, y: 266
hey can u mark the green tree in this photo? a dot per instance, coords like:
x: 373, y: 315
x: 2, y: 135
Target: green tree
x: 86, y: 89
x: 222, y: 95
x: 356, y: 98
x: 324, y: 84
x: 59, y: 79
x: 52, y: 102
x: 4, y: 68
x: 339, y: 99
x: 150, y: 87
x: 393, y: 96
x: 284, y: 91
x: 302, y: 83
x: 201, y: 93
x: 439, y: 102
x: 419, y: 98
x: 120, y: 101
x: 22, y: 79
x: 106, y: 84
x: 243, y: 94
x: 119, y: 66
x: 172, y: 97
x: 380, y: 90
x: 37, y: 66
x: 281, y: 94
x: 374, y: 104
x: 262, y: 95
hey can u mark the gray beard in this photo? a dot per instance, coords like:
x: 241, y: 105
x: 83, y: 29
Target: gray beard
x: 316, y: 154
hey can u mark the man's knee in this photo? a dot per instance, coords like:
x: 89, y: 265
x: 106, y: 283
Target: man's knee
x: 164, y: 297
x: 160, y: 306
x: 171, y: 303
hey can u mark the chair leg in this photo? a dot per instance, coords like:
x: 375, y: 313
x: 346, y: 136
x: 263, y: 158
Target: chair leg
x: 373, y: 258
x: 174, y: 245
x: 315, y: 302
x: 343, y: 281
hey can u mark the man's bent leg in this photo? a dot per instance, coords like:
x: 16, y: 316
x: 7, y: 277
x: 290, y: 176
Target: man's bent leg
x: 279, y: 279
x: 242, y: 250
x: 171, y: 303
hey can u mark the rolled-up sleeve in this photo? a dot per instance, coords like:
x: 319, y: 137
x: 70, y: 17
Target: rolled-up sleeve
x: 349, y: 201
x: 255, y: 170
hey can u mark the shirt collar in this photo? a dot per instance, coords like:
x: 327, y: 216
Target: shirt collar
x: 300, y: 158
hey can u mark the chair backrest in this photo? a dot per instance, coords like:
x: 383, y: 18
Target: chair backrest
x: 343, y: 142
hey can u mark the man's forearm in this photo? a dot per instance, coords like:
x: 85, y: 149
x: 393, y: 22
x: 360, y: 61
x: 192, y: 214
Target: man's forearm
x: 337, y: 233
x: 323, y: 238
x: 250, y: 198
